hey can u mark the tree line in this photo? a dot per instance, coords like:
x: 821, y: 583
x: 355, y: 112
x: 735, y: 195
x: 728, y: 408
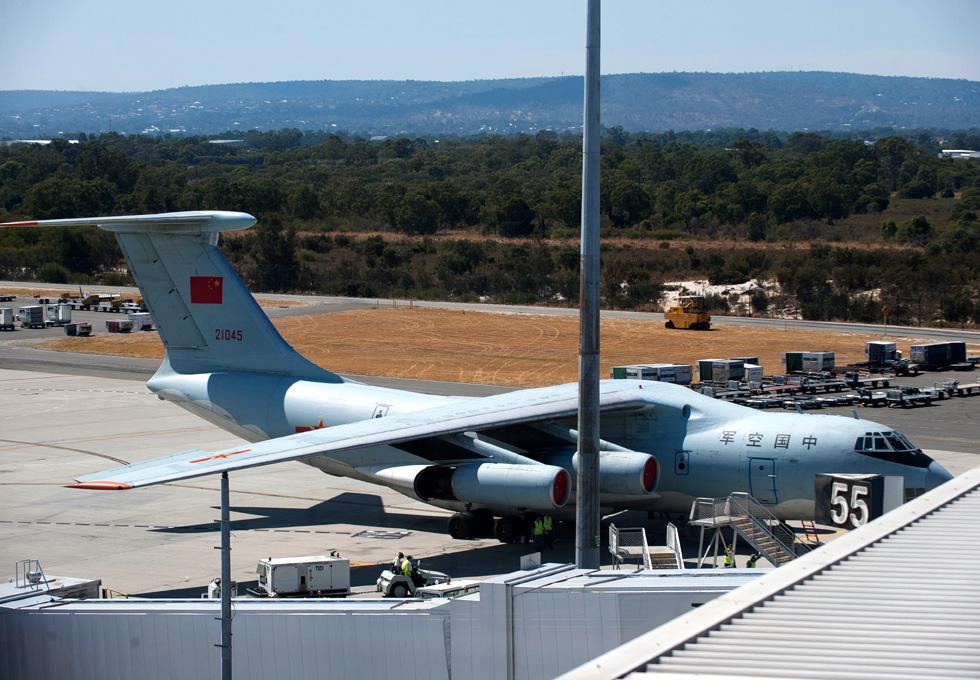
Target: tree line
x: 497, y: 218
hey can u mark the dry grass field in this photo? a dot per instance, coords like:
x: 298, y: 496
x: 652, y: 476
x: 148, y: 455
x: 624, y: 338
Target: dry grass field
x: 519, y: 350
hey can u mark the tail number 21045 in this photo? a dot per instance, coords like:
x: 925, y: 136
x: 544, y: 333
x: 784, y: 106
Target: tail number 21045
x: 227, y: 334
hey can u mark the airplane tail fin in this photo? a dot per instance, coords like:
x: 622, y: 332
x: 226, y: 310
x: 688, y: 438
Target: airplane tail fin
x: 208, y: 321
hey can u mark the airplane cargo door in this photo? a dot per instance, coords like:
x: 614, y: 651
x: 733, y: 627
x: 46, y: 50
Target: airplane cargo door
x: 762, y: 480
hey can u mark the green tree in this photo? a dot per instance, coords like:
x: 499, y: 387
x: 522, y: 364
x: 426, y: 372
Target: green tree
x: 628, y: 203
x: 417, y: 214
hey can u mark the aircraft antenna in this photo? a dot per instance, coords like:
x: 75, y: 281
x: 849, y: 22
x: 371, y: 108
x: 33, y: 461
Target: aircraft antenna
x: 587, y: 490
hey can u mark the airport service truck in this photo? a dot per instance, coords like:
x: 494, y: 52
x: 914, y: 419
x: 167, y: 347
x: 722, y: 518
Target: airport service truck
x: 311, y: 576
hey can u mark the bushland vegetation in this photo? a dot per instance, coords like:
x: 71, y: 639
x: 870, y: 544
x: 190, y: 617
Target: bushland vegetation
x: 844, y: 226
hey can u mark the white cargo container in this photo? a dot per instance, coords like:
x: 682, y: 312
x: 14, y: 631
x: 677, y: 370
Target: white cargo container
x: 642, y: 373
x: 720, y: 370
x: 32, y: 316
x: 6, y: 318
x: 142, y: 321
x: 664, y: 372
x: 818, y: 361
x: 311, y: 576
x: 683, y: 373
x: 58, y: 314
x: 753, y: 373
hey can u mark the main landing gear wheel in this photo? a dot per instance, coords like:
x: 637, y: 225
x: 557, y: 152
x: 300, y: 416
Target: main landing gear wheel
x: 462, y: 525
x: 508, y: 529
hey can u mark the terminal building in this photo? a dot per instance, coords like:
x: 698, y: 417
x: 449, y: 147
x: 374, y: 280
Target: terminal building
x: 896, y: 598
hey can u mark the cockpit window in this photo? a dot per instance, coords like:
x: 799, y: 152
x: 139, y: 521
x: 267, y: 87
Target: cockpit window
x: 891, y: 446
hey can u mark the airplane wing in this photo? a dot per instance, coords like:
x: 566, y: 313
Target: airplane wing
x: 514, y: 408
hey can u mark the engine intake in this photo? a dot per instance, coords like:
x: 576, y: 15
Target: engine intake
x: 620, y: 472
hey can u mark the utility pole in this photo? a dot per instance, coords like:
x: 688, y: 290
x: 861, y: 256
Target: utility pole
x: 587, y: 488
x: 225, y: 581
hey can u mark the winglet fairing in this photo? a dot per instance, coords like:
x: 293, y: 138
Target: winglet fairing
x: 507, y: 455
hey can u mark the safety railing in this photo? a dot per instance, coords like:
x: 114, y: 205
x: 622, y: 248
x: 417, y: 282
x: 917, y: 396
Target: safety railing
x: 629, y: 543
x: 28, y: 574
x: 674, y: 543
x: 742, y: 505
x: 709, y: 510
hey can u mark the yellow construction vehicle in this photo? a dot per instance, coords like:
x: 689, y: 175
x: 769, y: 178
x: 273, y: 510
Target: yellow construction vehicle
x: 689, y: 313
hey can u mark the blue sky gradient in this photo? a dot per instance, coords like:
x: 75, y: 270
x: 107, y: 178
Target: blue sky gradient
x: 121, y: 45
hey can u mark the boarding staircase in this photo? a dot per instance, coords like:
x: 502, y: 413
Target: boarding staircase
x: 770, y: 537
x: 631, y: 544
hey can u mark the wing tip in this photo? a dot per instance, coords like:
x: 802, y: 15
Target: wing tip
x: 99, y: 486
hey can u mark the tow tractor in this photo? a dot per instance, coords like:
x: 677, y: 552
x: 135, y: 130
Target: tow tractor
x: 688, y: 313
x: 399, y: 585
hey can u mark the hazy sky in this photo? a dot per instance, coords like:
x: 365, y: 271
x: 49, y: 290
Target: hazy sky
x: 129, y: 45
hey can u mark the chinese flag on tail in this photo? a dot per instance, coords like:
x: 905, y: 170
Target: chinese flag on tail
x: 206, y: 290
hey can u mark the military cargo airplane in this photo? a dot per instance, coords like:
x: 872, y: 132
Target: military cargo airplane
x: 493, y: 460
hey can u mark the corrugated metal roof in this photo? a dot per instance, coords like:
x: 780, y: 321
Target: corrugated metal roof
x: 898, y: 598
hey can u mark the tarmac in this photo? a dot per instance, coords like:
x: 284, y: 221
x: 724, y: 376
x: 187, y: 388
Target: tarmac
x: 64, y: 415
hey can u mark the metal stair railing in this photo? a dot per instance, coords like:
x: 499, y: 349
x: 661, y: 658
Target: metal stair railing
x: 629, y: 543
x: 674, y: 543
x: 764, y: 525
x: 709, y: 511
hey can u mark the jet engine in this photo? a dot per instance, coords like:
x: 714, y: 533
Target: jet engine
x: 540, y: 487
x: 620, y: 472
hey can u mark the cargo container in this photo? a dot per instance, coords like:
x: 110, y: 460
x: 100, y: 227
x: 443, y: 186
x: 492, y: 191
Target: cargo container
x: 683, y: 374
x: 720, y: 370
x: 747, y: 360
x: 957, y: 352
x: 792, y: 362
x: 80, y: 328
x: 753, y: 373
x: 119, y: 326
x: 6, y: 319
x: 617, y: 372
x: 58, y: 314
x: 879, y: 351
x: 818, y: 361
x: 142, y: 321
x: 32, y: 316
x: 935, y: 355
x: 665, y: 372
x: 642, y: 373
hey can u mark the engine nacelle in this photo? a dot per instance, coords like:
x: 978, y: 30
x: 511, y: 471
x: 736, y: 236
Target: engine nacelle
x: 540, y: 487
x: 620, y: 472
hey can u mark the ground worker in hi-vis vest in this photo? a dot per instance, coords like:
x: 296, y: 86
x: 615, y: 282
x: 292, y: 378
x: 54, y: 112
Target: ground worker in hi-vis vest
x: 729, y: 556
x: 549, y: 539
x: 538, y: 530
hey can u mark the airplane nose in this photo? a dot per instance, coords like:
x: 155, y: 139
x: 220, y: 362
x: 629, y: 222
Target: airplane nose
x: 936, y: 474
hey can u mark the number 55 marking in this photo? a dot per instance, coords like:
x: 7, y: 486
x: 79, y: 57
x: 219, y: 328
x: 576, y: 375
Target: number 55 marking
x: 857, y: 511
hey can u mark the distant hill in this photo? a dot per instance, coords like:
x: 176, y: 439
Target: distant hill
x: 784, y: 101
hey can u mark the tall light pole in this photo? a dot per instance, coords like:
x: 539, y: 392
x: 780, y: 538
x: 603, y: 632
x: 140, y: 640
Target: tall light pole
x: 587, y: 489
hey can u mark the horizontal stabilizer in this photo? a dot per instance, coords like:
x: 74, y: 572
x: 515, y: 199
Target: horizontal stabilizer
x: 190, y: 222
